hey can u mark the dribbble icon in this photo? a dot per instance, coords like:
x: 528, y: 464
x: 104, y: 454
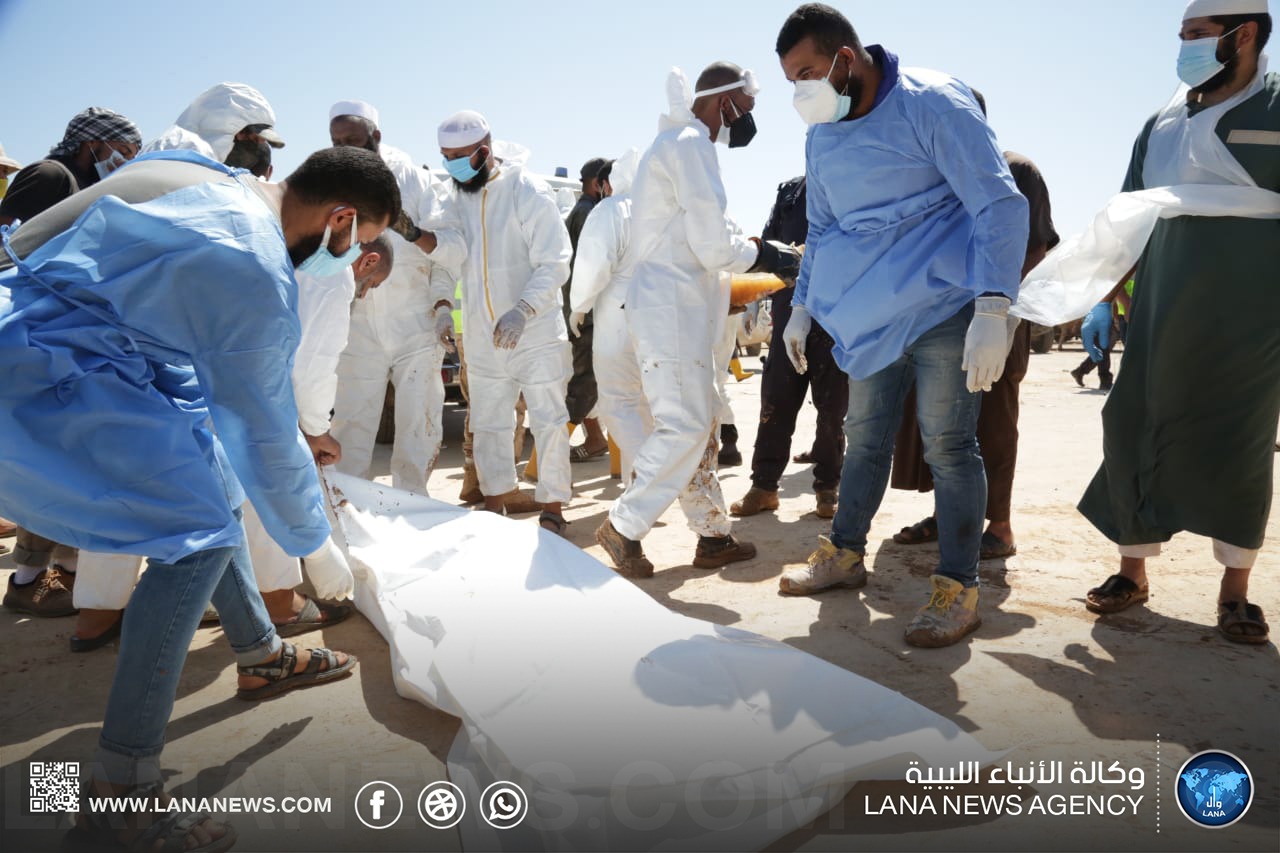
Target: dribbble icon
x: 504, y: 804
x: 378, y: 805
x: 1214, y: 789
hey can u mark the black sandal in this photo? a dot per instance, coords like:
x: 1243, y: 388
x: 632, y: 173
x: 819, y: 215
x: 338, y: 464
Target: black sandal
x: 561, y: 525
x: 924, y: 530
x: 1242, y: 622
x: 1116, y: 593
x: 172, y: 830
x: 281, y: 677
x: 314, y: 615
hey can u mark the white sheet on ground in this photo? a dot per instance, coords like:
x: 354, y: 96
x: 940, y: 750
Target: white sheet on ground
x: 1085, y: 268
x: 628, y: 725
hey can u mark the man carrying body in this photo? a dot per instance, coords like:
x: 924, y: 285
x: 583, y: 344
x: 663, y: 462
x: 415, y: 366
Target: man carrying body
x: 517, y: 260
x: 913, y: 256
x: 129, y: 313
x: 96, y: 143
x: 398, y: 332
x: 1200, y: 462
x: 681, y: 240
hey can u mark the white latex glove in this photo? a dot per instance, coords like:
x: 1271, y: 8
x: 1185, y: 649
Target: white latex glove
x: 444, y: 328
x: 576, y: 319
x: 1013, y: 323
x: 329, y: 572
x: 511, y: 326
x: 985, y: 344
x: 795, y: 335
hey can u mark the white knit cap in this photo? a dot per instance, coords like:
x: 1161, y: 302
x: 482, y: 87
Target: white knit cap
x: 359, y: 109
x: 1213, y: 8
x: 462, y: 129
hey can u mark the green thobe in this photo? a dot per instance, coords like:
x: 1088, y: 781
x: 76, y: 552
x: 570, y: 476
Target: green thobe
x: 1189, y: 428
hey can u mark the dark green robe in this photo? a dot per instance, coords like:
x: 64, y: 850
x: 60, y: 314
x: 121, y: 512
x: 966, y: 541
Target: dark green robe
x: 1189, y: 428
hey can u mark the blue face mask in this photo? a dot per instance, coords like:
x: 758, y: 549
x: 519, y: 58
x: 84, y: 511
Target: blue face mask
x: 324, y: 263
x: 461, y: 169
x: 1198, y: 60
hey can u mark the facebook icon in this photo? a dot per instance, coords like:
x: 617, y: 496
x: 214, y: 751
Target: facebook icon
x: 378, y: 805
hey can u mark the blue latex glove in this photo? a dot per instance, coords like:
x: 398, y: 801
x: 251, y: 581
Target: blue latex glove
x: 1096, y: 331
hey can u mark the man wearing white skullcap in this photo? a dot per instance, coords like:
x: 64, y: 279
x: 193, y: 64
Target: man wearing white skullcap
x: 516, y: 342
x: 399, y: 331
x: 1177, y: 459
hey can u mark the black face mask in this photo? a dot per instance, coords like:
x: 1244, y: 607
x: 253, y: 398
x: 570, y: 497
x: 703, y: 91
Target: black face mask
x: 741, y: 131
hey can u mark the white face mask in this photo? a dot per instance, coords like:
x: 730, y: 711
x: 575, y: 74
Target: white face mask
x: 114, y: 161
x: 817, y: 101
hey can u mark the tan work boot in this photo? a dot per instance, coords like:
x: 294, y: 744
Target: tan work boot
x: 828, y: 567
x: 952, y: 612
x: 627, y: 554
x: 754, y: 502
x: 826, y: 506
x: 716, y: 551
x: 520, y: 503
x: 49, y: 595
x: 470, y: 493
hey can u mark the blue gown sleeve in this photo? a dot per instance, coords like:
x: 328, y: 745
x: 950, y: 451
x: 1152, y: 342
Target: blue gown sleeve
x: 244, y: 361
x: 231, y: 306
x: 818, y: 209
x: 965, y: 152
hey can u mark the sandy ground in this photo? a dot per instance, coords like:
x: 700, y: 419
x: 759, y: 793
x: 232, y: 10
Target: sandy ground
x: 1042, y: 677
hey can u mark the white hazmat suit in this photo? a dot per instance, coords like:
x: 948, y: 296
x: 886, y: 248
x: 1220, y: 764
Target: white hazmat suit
x: 517, y: 251
x: 676, y: 307
x: 392, y: 337
x: 598, y: 287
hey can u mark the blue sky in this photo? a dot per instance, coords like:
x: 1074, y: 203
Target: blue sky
x: 1069, y: 84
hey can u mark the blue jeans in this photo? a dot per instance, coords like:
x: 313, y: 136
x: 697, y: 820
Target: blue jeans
x: 159, y: 624
x: 948, y: 416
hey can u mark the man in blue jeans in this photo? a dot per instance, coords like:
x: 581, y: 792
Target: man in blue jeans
x: 135, y: 317
x: 915, y: 245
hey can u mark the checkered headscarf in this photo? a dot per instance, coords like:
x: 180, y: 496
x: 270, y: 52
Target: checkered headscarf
x: 96, y: 124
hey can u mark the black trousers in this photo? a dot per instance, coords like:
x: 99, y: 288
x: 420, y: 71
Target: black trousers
x: 782, y: 395
x: 582, y: 394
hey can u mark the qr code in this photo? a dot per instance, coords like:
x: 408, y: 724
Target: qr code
x: 55, y: 787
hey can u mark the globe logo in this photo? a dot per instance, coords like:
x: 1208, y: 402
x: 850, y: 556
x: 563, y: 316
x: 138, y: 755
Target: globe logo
x: 1214, y: 789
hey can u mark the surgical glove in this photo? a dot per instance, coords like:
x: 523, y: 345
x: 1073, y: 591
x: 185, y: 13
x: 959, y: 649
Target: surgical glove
x: 778, y: 258
x: 329, y: 572
x: 511, y: 326
x: 985, y: 342
x: 576, y: 319
x: 794, y: 337
x: 1096, y: 331
x: 444, y: 328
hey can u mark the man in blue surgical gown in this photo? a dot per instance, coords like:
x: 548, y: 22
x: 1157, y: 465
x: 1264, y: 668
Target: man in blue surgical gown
x: 915, y: 246
x: 135, y: 317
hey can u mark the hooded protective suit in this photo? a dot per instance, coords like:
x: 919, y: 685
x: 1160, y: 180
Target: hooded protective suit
x: 210, y: 124
x: 517, y: 250
x: 676, y: 307
x: 598, y: 288
x: 141, y: 347
x: 392, y: 338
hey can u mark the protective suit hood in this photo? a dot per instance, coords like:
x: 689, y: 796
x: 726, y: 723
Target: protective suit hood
x: 214, y: 118
x: 512, y: 154
x: 624, y: 170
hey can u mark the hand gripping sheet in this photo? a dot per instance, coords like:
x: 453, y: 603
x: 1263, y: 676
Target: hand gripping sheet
x: 1084, y: 269
x: 628, y: 726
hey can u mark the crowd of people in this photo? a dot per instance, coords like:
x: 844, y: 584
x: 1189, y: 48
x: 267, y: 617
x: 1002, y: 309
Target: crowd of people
x: 189, y: 344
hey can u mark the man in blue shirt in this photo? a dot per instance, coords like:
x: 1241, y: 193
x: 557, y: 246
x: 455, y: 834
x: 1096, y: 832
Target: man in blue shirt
x: 915, y: 245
